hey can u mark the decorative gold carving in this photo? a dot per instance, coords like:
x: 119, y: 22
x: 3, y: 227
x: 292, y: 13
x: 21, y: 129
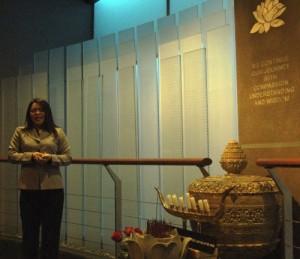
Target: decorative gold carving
x: 266, y: 16
x: 215, y: 213
x: 239, y: 184
x: 233, y: 159
x: 241, y: 215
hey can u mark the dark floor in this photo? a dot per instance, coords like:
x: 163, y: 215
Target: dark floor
x: 10, y: 248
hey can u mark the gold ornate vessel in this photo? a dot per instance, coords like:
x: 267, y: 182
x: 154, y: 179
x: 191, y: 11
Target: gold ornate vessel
x: 249, y: 208
x: 251, y: 218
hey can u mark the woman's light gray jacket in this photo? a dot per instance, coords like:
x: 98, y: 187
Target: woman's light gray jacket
x: 35, y: 176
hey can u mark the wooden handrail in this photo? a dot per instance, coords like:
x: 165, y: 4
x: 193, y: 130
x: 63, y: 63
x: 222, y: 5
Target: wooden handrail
x: 144, y: 161
x: 200, y: 162
x: 292, y: 162
x: 106, y: 162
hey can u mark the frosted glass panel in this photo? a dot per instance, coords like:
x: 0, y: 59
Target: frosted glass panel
x: 92, y: 174
x: 75, y: 123
x: 148, y: 121
x: 188, y: 14
x: 92, y: 117
x: 221, y: 94
x: 194, y: 96
x: 74, y: 186
x: 109, y: 109
x: 166, y: 22
x: 109, y: 141
x: 91, y: 137
x: 212, y: 6
x: 90, y: 58
x: 171, y: 108
x: 147, y: 97
x: 57, y: 85
x: 195, y: 110
x: 57, y: 101
x: 91, y: 91
x: 128, y: 145
x: 127, y: 54
x: 171, y: 125
x: 145, y: 29
x: 213, y: 21
x: 74, y: 62
x: 108, y: 47
x: 171, y: 120
x: 127, y: 113
x: 191, y: 37
x: 127, y: 58
x: 124, y: 36
x: 168, y: 43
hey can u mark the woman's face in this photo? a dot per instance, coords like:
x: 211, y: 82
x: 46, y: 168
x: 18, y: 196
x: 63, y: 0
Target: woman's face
x: 37, y: 115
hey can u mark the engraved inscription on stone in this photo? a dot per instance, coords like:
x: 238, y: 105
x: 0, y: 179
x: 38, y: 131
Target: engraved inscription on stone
x: 273, y: 85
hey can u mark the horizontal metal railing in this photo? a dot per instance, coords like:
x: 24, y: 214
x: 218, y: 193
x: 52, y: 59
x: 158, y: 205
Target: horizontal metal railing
x: 106, y: 162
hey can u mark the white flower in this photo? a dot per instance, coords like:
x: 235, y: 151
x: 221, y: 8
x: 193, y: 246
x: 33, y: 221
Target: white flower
x: 266, y: 15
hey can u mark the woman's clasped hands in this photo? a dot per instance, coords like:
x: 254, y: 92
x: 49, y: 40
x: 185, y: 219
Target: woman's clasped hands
x: 41, y: 158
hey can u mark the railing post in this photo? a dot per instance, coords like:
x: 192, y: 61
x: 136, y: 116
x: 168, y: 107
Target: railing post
x: 118, y: 202
x: 287, y: 214
x: 270, y: 164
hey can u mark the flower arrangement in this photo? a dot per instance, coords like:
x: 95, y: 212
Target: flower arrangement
x: 117, y: 236
x: 156, y: 228
x: 159, y: 241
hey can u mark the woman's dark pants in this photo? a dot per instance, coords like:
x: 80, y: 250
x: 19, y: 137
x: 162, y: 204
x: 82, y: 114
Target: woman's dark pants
x: 41, y: 210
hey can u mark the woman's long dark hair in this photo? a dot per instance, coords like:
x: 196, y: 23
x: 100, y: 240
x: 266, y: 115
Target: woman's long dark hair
x: 49, y: 123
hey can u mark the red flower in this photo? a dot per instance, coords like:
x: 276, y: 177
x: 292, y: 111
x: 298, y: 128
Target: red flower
x: 138, y: 230
x: 117, y: 236
x: 128, y: 230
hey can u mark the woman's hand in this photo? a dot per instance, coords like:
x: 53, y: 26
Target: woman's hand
x: 41, y: 158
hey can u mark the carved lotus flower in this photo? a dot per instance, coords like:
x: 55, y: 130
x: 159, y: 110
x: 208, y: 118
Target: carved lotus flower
x: 266, y: 15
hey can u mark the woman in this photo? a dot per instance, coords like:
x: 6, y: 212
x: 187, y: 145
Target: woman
x: 40, y: 147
